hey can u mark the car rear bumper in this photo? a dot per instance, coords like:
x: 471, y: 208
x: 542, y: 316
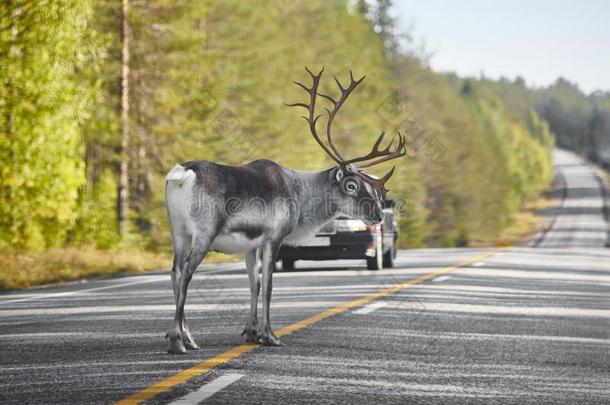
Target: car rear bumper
x: 353, y: 245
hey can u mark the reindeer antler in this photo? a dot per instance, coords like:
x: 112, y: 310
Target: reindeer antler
x: 375, y: 156
x: 384, y: 154
x: 337, y: 104
x: 312, y: 119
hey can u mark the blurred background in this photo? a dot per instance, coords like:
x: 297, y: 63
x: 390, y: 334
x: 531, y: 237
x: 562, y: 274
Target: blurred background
x: 99, y: 99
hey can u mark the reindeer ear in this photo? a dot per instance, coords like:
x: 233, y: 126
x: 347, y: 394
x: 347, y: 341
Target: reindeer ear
x: 336, y: 174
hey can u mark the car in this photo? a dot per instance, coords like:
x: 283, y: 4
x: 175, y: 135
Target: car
x: 349, y: 238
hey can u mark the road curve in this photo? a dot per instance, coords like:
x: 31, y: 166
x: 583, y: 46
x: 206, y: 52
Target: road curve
x: 517, y: 326
x: 579, y: 219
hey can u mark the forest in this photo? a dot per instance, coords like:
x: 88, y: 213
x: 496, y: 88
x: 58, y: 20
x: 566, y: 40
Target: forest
x: 99, y: 99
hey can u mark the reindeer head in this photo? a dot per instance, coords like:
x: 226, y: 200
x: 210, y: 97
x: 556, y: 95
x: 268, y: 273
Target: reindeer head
x: 358, y: 194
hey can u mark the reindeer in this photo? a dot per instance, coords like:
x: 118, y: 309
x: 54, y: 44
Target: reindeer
x: 260, y: 205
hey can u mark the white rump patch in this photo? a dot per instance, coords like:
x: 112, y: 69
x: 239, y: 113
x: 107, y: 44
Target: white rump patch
x: 180, y: 174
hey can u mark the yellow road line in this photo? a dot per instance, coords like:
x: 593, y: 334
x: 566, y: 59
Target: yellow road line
x: 207, y: 365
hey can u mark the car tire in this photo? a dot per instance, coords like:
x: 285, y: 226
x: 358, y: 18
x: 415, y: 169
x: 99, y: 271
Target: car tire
x: 287, y: 264
x: 376, y: 262
x: 388, y: 257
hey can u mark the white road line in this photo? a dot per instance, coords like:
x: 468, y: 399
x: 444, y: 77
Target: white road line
x: 562, y: 275
x: 6, y: 299
x: 500, y: 309
x: 76, y: 292
x: 478, y: 264
x: 441, y: 278
x: 155, y: 308
x: 148, y: 279
x: 236, y: 290
x: 208, y: 390
x: 367, y: 309
x: 470, y: 336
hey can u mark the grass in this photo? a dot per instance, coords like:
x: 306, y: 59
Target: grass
x: 525, y: 224
x: 19, y: 270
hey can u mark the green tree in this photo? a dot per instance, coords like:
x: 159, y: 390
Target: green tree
x: 43, y: 49
x: 207, y: 81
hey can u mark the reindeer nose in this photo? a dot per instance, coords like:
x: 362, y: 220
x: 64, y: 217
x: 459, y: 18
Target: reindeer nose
x: 379, y: 216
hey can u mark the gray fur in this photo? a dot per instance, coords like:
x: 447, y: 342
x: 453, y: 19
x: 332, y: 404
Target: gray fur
x: 249, y: 208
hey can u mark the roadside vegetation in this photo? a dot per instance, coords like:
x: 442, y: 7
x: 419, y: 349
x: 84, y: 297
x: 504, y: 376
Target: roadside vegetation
x: 24, y: 269
x: 206, y: 81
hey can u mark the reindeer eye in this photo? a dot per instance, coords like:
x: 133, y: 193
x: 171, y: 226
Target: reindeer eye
x: 350, y: 186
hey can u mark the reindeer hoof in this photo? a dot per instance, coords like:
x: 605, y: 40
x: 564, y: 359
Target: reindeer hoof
x: 251, y: 335
x: 191, y: 345
x: 189, y: 342
x: 175, y: 345
x: 269, y: 339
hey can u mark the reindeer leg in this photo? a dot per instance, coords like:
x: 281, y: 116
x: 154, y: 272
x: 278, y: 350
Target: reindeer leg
x: 187, y: 338
x: 251, y: 329
x: 176, y: 271
x: 180, y: 247
x: 200, y: 247
x: 189, y: 342
x: 265, y: 334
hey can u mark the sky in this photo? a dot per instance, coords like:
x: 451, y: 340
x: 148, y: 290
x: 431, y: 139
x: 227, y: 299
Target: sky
x: 539, y: 40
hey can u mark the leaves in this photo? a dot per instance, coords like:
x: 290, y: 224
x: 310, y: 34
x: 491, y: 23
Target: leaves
x: 43, y: 47
x: 207, y: 81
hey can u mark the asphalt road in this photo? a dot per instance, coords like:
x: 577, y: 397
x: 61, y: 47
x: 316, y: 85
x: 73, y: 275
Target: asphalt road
x: 579, y: 219
x: 523, y: 325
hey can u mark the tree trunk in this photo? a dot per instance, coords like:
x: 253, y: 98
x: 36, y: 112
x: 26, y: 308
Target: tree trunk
x: 123, y: 189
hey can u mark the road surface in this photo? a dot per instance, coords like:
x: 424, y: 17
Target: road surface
x: 580, y: 217
x: 522, y: 325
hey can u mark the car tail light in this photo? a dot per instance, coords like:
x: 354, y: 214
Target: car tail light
x: 373, y: 228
